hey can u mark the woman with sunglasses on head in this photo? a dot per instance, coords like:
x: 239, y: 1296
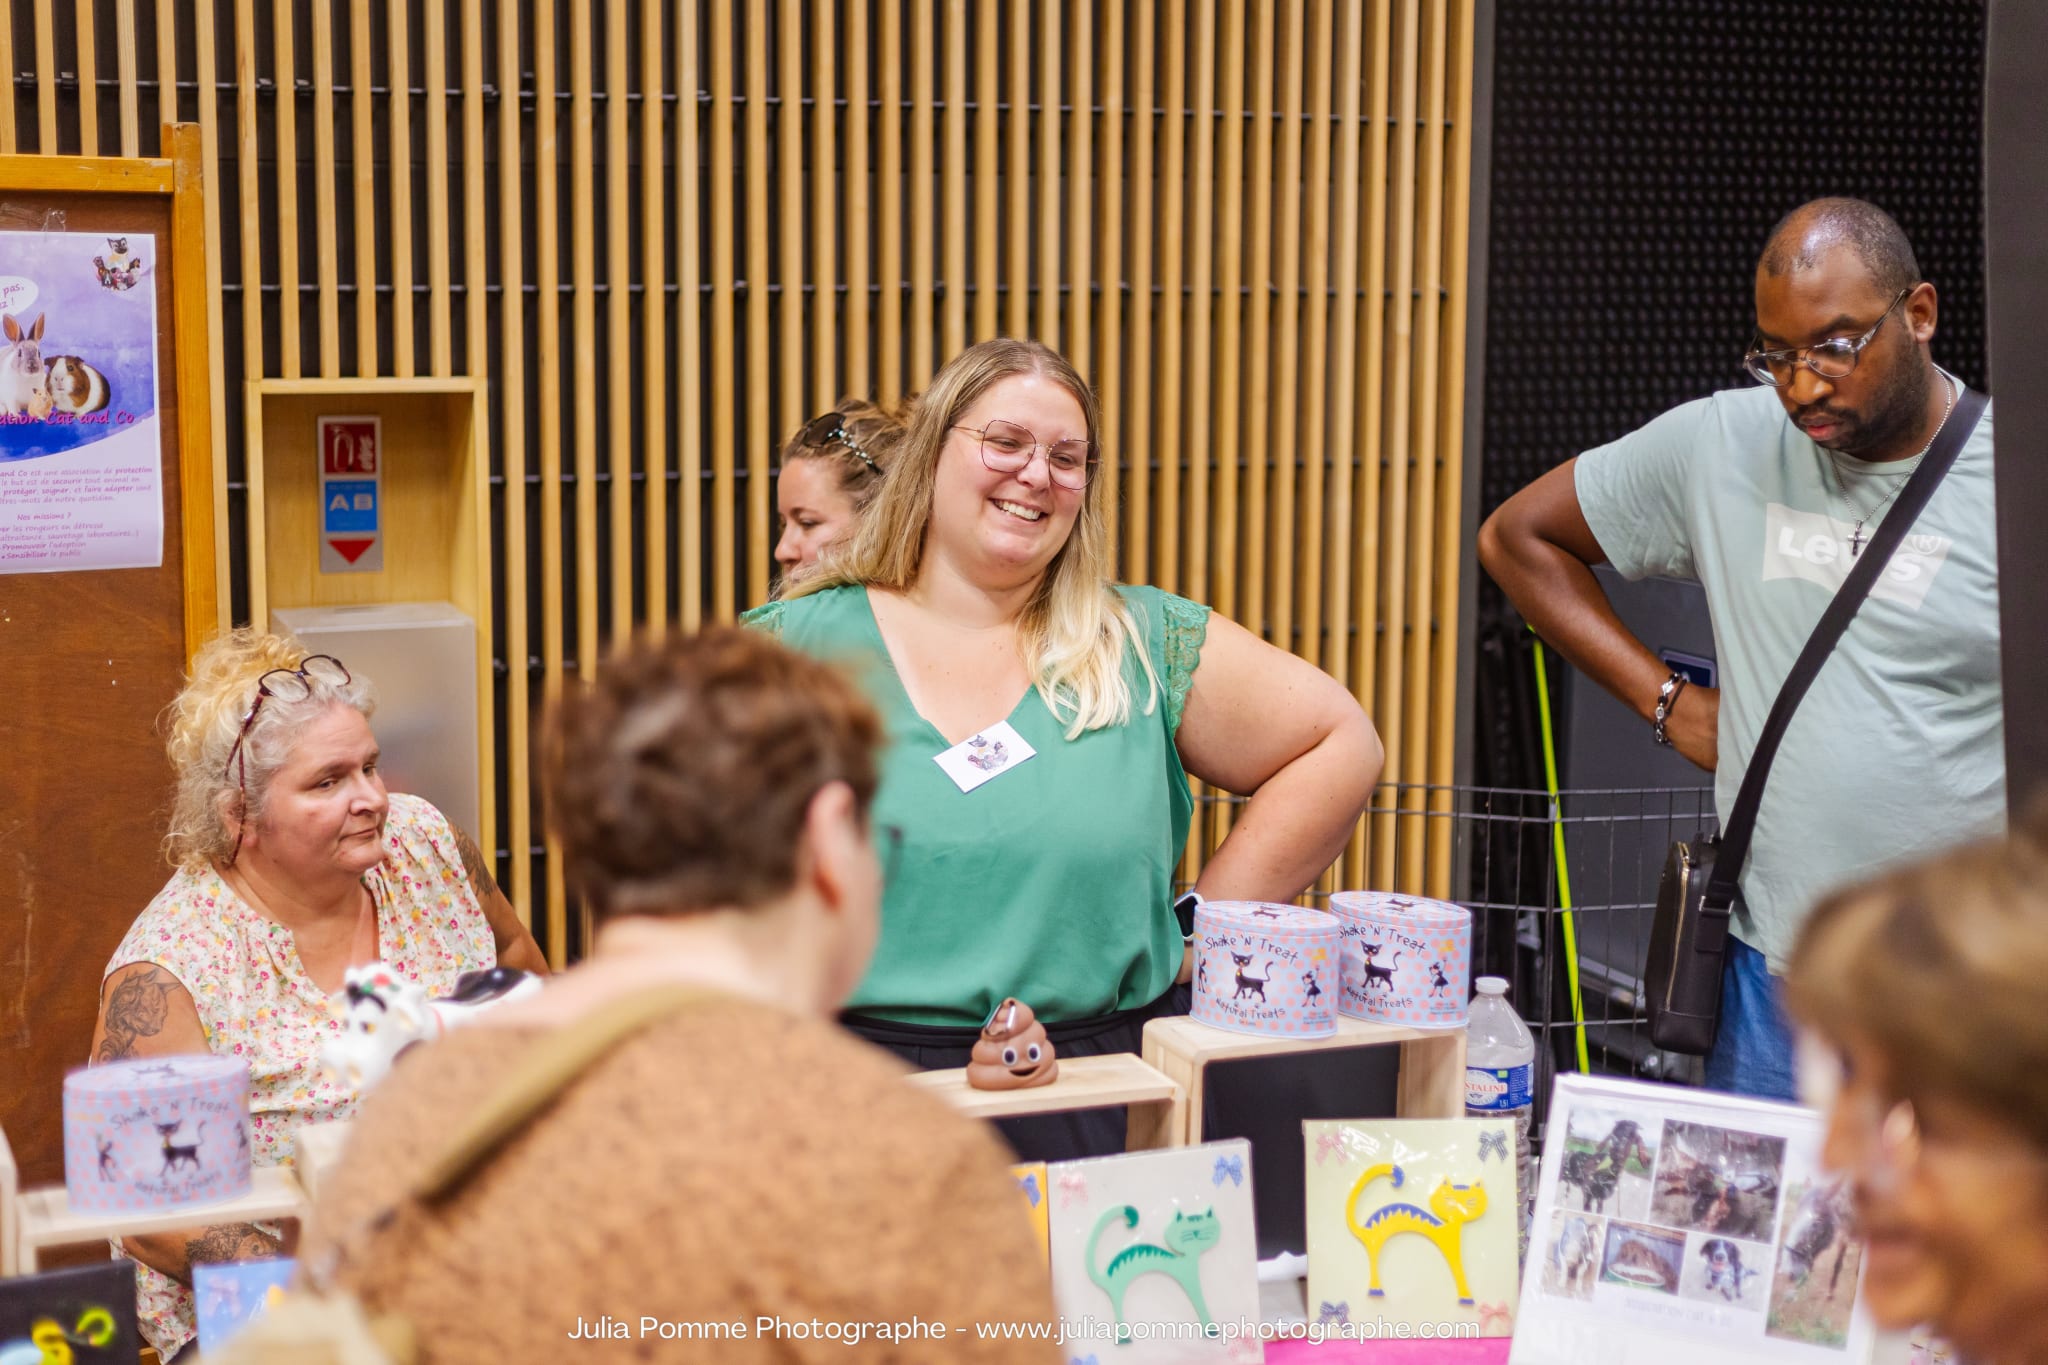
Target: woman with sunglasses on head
x: 831, y: 470
x: 1923, y: 1038
x: 1044, y: 724
x: 292, y: 864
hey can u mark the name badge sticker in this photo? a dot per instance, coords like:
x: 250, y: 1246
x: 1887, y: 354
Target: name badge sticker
x: 984, y: 757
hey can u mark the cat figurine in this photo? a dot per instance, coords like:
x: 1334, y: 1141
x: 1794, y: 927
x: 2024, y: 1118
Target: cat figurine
x: 380, y: 1014
x: 1187, y: 1238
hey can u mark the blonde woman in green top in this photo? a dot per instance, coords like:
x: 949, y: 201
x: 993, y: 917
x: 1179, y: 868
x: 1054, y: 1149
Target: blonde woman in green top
x: 1043, y: 724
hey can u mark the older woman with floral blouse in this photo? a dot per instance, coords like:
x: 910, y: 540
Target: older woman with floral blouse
x: 292, y: 864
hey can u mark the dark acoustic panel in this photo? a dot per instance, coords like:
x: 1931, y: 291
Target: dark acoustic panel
x: 1642, y: 149
x: 2016, y: 149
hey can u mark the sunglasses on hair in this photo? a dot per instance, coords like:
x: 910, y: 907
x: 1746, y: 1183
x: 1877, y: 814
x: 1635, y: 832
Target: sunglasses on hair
x: 823, y: 431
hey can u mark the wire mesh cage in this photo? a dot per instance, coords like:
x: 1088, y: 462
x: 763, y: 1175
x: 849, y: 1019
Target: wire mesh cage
x: 1561, y: 899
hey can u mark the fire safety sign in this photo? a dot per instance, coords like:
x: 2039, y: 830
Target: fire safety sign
x: 351, y: 494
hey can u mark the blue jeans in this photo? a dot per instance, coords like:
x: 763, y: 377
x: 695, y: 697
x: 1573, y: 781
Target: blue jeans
x: 1752, y: 1052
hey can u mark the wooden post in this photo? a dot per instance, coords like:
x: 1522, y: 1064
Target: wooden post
x: 440, y: 323
x: 399, y: 108
x: 689, y: 324
x: 511, y: 385
x: 363, y: 162
x: 583, y: 329
x: 618, y: 272
x: 547, y: 280
x: 290, y: 331
x: 654, y: 322
x: 757, y: 437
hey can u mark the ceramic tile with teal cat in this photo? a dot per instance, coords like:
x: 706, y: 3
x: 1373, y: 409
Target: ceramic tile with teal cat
x: 1155, y: 1256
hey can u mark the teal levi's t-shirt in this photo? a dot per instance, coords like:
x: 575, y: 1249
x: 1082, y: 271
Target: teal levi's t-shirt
x: 1898, y: 749
x: 1051, y: 882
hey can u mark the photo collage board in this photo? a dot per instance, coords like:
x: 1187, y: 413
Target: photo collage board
x: 1697, y: 1226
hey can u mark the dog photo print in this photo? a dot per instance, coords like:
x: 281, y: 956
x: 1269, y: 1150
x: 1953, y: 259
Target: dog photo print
x: 1570, y: 1254
x: 1608, y: 1158
x: 1688, y: 1228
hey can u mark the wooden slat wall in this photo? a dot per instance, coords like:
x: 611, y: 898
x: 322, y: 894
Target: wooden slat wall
x: 1246, y: 219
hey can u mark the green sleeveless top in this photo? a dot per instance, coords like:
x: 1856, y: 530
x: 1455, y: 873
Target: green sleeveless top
x: 1052, y: 882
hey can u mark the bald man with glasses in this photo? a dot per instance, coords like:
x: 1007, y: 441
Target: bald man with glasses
x: 1766, y: 496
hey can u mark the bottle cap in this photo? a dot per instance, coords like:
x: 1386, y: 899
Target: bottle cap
x: 1491, y: 985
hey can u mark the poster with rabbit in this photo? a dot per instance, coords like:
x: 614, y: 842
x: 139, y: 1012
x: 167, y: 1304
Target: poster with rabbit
x: 80, y: 436
x: 1412, y: 1226
x: 1155, y: 1256
x: 1686, y: 1227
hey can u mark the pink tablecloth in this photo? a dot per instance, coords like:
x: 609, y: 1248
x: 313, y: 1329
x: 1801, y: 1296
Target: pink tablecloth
x: 1486, y: 1351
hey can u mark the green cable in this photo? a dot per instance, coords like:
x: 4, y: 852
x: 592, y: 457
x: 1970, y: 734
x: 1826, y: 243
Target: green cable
x: 1564, y: 874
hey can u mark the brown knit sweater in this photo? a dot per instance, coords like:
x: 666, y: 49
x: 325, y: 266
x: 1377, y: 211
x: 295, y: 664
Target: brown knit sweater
x: 730, y: 1164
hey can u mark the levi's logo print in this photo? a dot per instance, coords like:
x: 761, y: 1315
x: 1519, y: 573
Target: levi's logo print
x: 1815, y: 547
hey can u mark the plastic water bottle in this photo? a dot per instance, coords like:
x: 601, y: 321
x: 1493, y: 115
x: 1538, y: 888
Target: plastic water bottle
x: 1500, y: 1078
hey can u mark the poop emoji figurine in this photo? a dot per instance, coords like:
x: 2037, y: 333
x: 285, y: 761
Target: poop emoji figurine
x: 1013, y: 1051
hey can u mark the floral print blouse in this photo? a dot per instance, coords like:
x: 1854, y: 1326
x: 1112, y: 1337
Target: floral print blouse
x: 255, y: 1000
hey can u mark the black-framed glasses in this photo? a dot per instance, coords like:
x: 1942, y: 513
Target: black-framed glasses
x: 824, y: 430
x: 286, y: 684
x: 1007, y: 448
x: 1830, y: 359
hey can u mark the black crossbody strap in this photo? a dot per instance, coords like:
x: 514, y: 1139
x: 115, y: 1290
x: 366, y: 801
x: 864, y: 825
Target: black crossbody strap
x: 1969, y: 410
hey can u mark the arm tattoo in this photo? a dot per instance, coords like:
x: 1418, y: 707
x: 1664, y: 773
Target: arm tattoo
x: 232, y: 1242
x: 137, y: 1009
x: 478, y: 866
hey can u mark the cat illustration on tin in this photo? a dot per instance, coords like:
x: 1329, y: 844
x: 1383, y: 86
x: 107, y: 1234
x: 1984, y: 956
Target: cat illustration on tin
x: 1248, y: 985
x: 1374, y: 973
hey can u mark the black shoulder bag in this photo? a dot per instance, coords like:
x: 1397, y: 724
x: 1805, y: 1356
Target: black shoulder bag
x: 1689, y: 936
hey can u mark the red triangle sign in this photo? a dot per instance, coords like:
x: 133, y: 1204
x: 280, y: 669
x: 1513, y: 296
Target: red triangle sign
x: 352, y: 550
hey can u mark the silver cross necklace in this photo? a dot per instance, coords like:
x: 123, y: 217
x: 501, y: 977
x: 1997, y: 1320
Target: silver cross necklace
x: 1857, y: 539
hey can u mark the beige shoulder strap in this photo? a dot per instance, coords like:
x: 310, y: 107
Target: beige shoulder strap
x: 554, y: 1064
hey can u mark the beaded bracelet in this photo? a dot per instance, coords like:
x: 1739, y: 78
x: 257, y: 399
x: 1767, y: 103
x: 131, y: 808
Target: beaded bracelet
x: 1667, y: 697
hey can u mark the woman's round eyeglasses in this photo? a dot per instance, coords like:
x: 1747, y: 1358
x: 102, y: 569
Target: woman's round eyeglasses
x: 1007, y: 448
x: 286, y: 684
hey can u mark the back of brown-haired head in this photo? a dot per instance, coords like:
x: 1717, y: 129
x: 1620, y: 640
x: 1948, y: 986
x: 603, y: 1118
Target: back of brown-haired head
x: 680, y: 780
x: 1938, y: 968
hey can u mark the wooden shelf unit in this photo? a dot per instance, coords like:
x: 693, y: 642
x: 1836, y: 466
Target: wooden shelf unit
x: 45, y: 1218
x: 436, y: 512
x: 1432, y: 1076
x: 1084, y: 1083
x: 317, y: 1150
